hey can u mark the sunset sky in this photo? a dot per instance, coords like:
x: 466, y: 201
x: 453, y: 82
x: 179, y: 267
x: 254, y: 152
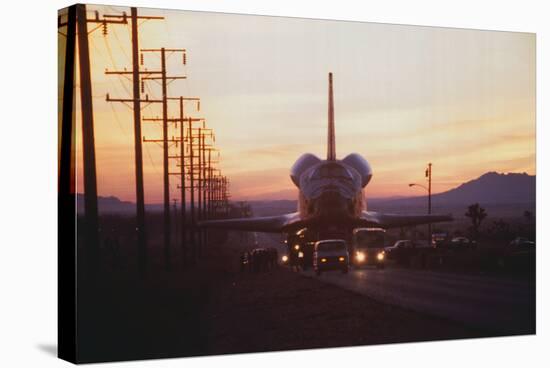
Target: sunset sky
x: 404, y: 96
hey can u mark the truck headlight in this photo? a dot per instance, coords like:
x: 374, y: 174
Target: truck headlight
x: 360, y: 256
x: 380, y: 256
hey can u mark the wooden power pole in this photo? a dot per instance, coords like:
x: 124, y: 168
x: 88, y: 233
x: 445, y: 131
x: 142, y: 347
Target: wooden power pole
x: 164, y: 79
x: 88, y: 140
x: 88, y: 147
x: 182, y: 185
x: 138, y: 151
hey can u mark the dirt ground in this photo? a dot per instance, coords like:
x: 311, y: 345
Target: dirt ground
x: 213, y: 308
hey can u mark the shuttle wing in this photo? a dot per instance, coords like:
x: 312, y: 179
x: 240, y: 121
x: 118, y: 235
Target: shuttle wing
x: 387, y: 220
x: 267, y: 224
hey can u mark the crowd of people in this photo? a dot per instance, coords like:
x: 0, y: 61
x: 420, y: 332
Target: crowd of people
x: 259, y: 260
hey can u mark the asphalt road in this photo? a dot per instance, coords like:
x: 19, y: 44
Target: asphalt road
x: 494, y: 303
x: 498, y: 304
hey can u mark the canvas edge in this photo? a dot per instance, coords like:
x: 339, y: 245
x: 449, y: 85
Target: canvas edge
x: 66, y: 217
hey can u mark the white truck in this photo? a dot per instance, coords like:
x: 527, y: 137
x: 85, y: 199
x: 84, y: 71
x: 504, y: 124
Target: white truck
x: 330, y: 254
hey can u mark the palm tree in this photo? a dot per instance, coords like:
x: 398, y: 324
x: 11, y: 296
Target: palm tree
x: 477, y: 214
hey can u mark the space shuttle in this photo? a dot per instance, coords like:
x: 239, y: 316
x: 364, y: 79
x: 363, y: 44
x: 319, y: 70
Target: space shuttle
x: 331, y: 198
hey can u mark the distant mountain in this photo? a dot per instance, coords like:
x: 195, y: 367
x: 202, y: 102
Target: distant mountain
x: 490, y: 188
x: 113, y: 205
x: 494, y: 188
x: 502, y: 195
x: 506, y: 194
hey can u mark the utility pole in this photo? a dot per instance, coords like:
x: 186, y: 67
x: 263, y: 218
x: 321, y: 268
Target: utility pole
x: 175, y: 200
x: 209, y: 178
x: 65, y: 184
x: 224, y: 196
x: 429, y: 176
x: 166, y: 180
x: 219, y: 194
x: 88, y: 140
x: 194, y: 182
x: 200, y: 189
x: 138, y: 153
x: 181, y: 157
x: 202, y: 132
x: 164, y: 78
x: 215, y: 197
x: 88, y: 147
x: 192, y: 189
x: 182, y: 186
x: 204, y: 191
x: 140, y: 196
x: 210, y: 188
x: 217, y: 180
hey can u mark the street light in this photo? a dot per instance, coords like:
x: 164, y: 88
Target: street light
x: 419, y: 185
x: 429, y: 190
x: 429, y: 195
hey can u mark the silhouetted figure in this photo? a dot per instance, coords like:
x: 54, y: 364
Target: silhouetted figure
x: 273, y: 256
x: 262, y: 260
x: 242, y: 261
x: 294, y: 261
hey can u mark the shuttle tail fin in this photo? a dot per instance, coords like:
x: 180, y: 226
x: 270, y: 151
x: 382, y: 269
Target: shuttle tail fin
x: 331, y: 146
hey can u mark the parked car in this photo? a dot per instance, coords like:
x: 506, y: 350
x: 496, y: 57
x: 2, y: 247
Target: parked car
x: 422, y: 244
x: 401, y: 250
x: 522, y: 242
x: 399, y: 244
x: 330, y: 255
x: 519, y: 256
x: 439, y: 239
x: 461, y: 242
